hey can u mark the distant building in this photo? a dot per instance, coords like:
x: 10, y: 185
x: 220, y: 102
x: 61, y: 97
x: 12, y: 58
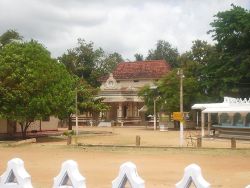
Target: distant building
x: 10, y: 128
x: 120, y: 88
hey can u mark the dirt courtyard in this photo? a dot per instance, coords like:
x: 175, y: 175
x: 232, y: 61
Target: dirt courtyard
x: 159, y: 167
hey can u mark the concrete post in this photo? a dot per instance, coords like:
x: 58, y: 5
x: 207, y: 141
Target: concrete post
x: 233, y: 143
x: 155, y: 119
x: 202, y: 124
x: 209, y: 123
x: 69, y: 139
x: 199, y: 142
x: 76, y: 115
x: 138, y: 141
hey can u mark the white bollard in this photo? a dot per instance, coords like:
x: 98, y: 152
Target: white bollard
x: 69, y: 176
x: 128, y: 172
x: 15, y: 176
x: 192, y: 173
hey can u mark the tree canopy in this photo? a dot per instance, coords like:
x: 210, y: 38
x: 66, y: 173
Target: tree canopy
x: 89, y: 63
x: 165, y: 51
x: 231, y: 30
x: 211, y: 71
x: 32, y: 84
x: 138, y: 57
x: 9, y: 36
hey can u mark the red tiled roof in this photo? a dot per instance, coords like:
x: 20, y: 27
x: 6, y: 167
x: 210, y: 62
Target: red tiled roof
x: 141, y: 69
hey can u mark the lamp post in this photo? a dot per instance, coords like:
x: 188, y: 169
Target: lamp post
x: 155, y: 114
x: 155, y: 98
x: 180, y: 73
x: 76, y: 115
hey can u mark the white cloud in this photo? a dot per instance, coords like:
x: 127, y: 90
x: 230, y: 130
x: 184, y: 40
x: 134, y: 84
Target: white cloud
x: 127, y: 27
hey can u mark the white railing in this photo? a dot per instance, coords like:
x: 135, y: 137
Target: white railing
x: 232, y: 100
x: 16, y: 176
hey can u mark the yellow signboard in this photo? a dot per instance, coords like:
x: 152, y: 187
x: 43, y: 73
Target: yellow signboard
x: 177, y: 116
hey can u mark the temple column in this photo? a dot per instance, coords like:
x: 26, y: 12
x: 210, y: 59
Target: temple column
x: 231, y: 118
x: 135, y: 110
x: 244, y: 117
x: 219, y: 121
x: 197, y: 118
x: 202, y: 124
x: 119, y: 111
x: 209, y: 123
x: 130, y: 108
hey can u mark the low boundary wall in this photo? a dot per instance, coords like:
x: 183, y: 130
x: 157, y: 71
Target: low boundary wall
x: 69, y: 176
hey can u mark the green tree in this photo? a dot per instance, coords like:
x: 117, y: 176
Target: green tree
x: 194, y: 83
x: 138, y: 57
x: 201, y: 63
x: 83, y: 61
x: 149, y: 95
x: 165, y: 51
x: 89, y: 63
x: 108, y: 64
x: 231, y: 30
x: 9, y: 36
x: 32, y: 84
x: 86, y: 102
x: 168, y: 92
x: 169, y: 87
x: 201, y: 52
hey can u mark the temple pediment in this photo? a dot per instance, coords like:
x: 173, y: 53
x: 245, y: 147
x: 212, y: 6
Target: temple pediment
x: 110, y: 83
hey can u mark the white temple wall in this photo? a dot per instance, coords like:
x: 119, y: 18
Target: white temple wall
x: 50, y: 125
x: 128, y: 83
x: 3, y: 126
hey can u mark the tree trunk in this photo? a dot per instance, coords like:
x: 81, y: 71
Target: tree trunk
x: 70, y: 123
x: 95, y: 118
x: 24, y: 128
x: 24, y: 134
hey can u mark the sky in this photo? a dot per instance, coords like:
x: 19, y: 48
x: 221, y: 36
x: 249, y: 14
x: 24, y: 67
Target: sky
x: 123, y: 26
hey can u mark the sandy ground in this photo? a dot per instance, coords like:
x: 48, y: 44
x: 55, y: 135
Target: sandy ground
x: 160, y: 168
x: 149, y: 137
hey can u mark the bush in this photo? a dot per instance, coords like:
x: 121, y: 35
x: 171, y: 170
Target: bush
x: 69, y: 133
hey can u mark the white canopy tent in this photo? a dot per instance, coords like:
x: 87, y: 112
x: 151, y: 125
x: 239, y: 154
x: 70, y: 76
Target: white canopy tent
x: 227, y: 110
x: 229, y: 105
x: 209, y: 105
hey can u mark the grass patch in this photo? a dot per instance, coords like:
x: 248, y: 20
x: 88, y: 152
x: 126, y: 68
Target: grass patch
x: 163, y: 150
x: 51, y: 139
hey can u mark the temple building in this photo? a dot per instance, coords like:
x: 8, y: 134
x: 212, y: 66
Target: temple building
x: 120, y: 89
